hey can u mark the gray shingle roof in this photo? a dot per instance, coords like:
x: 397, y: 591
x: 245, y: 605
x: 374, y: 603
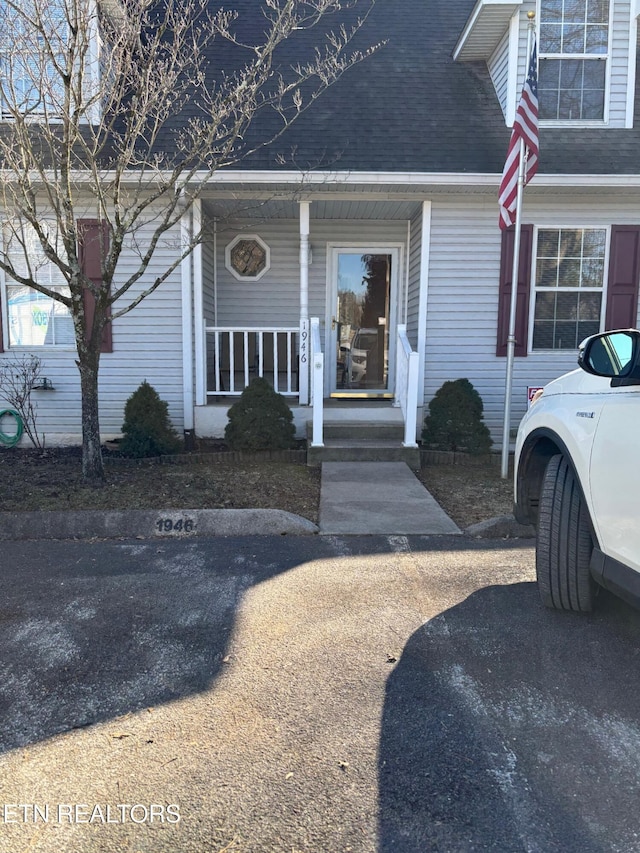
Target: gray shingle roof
x: 411, y: 108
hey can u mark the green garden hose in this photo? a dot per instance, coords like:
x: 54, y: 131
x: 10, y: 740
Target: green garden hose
x: 9, y: 440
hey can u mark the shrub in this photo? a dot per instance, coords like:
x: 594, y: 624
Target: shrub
x: 147, y: 429
x: 455, y: 420
x: 19, y: 376
x: 260, y: 420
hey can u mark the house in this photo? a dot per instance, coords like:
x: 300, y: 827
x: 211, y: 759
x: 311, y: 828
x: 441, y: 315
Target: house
x: 376, y: 214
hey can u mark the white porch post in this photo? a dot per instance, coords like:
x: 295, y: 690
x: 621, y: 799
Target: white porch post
x: 303, y: 368
x: 425, y: 248
x: 198, y: 310
x: 187, y: 331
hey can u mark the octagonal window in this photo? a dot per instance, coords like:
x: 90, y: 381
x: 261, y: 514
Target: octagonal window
x: 247, y: 257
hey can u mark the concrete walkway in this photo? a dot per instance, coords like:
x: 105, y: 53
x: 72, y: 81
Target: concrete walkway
x: 378, y: 497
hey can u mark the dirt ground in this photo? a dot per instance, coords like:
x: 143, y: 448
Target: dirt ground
x: 53, y: 481
x: 469, y: 493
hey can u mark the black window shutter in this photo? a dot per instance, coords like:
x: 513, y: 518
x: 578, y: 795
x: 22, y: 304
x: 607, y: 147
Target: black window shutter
x: 624, y: 273
x: 524, y: 284
x: 93, y: 244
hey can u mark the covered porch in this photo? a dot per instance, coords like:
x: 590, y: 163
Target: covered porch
x: 322, y: 296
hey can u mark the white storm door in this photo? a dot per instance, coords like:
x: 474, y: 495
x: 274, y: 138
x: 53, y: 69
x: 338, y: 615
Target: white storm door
x: 363, y: 292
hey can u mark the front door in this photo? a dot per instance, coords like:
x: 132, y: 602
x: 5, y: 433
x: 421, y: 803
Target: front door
x: 362, y: 317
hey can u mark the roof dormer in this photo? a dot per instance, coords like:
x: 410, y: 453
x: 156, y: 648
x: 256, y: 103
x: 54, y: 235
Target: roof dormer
x: 586, y: 57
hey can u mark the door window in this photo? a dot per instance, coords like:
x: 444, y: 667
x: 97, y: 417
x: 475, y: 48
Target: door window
x: 362, y: 321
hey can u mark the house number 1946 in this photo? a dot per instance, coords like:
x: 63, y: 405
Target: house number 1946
x: 180, y: 525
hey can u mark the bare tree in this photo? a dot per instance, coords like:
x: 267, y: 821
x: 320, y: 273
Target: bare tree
x: 114, y: 113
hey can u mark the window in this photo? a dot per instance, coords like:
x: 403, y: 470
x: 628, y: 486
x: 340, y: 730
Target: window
x: 569, y: 284
x: 564, y: 290
x: 248, y: 257
x: 33, y: 318
x: 574, y: 39
x: 29, y: 82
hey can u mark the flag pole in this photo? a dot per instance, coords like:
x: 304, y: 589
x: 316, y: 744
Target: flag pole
x: 511, y: 338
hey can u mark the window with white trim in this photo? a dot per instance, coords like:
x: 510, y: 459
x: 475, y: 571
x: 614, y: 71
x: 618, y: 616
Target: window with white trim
x: 573, y: 55
x: 569, y: 286
x: 29, y: 81
x: 34, y: 320
x: 248, y: 257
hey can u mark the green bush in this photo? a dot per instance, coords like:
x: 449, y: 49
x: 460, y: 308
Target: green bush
x: 455, y: 420
x: 260, y: 420
x: 147, y: 430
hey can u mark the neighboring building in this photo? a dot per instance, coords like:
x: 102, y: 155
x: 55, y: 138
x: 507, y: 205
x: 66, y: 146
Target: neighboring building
x: 387, y: 217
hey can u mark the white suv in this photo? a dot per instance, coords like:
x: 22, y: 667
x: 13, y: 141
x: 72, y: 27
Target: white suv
x: 577, y: 475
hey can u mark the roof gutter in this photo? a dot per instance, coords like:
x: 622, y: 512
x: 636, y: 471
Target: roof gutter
x: 334, y: 180
x: 417, y: 179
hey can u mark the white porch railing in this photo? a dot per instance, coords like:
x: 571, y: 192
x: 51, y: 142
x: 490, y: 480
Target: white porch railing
x: 317, y: 383
x: 406, y: 393
x: 235, y: 356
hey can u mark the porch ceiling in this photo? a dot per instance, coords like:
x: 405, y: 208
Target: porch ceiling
x: 384, y: 202
x: 321, y: 208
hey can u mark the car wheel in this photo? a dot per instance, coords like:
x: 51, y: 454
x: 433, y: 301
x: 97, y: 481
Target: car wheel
x: 565, y: 541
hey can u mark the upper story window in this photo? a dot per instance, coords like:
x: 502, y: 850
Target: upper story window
x: 573, y: 50
x: 32, y: 41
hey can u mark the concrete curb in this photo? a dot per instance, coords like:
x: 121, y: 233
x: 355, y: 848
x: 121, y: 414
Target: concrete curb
x: 501, y: 527
x: 152, y: 523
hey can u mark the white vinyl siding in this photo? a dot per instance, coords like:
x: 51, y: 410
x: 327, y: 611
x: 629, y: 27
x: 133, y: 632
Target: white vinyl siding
x: 499, y: 70
x: 208, y: 280
x: 273, y: 300
x: 147, y: 344
x: 619, y: 64
x: 463, y: 295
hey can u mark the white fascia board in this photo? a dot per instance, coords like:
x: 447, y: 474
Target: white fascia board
x: 595, y: 181
x: 334, y: 180
x: 422, y: 179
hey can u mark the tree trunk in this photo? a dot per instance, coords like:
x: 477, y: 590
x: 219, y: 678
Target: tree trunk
x: 92, y: 467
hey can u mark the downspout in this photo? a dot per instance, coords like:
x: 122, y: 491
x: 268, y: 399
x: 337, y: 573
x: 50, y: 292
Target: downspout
x: 405, y: 313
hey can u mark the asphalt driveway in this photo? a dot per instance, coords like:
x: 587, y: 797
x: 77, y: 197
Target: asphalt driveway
x: 310, y: 694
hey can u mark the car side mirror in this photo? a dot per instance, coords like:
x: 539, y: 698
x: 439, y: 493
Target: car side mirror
x: 613, y: 355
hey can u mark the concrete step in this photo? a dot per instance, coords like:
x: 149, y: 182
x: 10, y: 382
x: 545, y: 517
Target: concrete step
x: 355, y: 430
x: 363, y: 450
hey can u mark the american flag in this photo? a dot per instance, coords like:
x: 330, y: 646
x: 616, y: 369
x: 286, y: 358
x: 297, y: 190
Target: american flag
x: 525, y: 127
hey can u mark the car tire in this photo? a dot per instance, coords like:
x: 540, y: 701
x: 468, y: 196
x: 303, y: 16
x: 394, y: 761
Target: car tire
x: 565, y: 541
